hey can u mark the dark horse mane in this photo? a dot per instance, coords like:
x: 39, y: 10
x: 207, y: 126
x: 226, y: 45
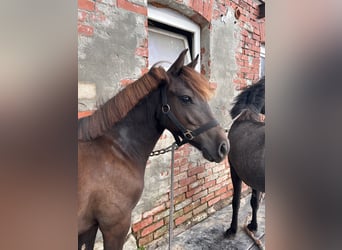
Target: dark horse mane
x: 248, y: 115
x: 252, y: 98
x: 117, y: 107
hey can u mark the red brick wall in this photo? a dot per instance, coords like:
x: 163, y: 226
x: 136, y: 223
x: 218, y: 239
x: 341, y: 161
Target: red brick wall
x: 199, y: 190
x: 251, y: 36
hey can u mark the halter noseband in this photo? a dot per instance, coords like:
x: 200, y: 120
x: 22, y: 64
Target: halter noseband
x: 186, y: 135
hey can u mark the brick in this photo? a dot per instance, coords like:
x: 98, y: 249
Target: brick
x: 196, y: 184
x: 152, y: 228
x: 200, y: 7
x: 244, y: 69
x: 82, y: 16
x: 183, y: 218
x: 211, y: 177
x: 85, y: 113
x: 226, y: 195
x: 154, y: 211
x: 177, y: 214
x: 195, y: 170
x: 214, y: 188
x: 191, y: 206
x: 180, y: 190
x: 208, y: 197
x: 199, y: 195
x: 195, y: 4
x: 183, y: 204
x: 176, y: 170
x: 85, y: 30
x: 218, y: 168
x: 163, y: 198
x: 183, y: 168
x: 222, y: 178
x: 213, y: 201
x: 160, y: 232
x: 141, y: 52
x: 199, y: 217
x: 179, y: 199
x: 161, y: 215
x: 193, y: 191
x: 145, y: 69
x: 145, y: 240
x: 187, y: 181
x: 86, y: 5
x: 220, y: 191
x: 199, y: 209
x: 207, y: 9
x: 225, y: 183
x: 138, y: 226
x: 209, y: 165
x: 209, y: 184
x: 183, y: 162
x: 181, y: 176
x: 125, y: 82
x: 206, y: 173
x: 123, y: 4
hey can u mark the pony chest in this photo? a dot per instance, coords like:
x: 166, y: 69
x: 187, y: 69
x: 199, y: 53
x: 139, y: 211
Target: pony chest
x: 122, y: 180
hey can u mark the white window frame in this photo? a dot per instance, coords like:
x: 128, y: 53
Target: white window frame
x: 262, y: 54
x: 173, y: 35
x: 174, y: 19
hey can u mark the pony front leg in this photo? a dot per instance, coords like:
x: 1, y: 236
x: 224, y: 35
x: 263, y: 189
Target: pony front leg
x: 114, y: 236
x: 253, y: 225
x: 235, y: 203
x: 87, y: 238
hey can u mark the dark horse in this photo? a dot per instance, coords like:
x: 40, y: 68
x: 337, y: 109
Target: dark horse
x: 116, y: 141
x: 247, y: 150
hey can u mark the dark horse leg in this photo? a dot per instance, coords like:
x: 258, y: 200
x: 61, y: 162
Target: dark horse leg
x: 114, y: 236
x: 253, y: 225
x: 236, y: 202
x: 88, y: 238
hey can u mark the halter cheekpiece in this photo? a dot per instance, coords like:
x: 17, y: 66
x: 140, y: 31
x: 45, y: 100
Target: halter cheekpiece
x: 185, y: 134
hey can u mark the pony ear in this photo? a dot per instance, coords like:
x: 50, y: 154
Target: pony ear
x: 194, y: 62
x: 178, y: 64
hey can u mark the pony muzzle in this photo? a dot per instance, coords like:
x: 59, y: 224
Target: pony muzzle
x: 223, y: 149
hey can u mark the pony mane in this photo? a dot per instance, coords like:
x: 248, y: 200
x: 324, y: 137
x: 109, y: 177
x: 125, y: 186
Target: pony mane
x: 197, y: 82
x: 118, y: 106
x: 248, y: 115
x: 252, y: 98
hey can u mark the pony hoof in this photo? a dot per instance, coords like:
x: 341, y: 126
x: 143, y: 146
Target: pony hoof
x: 229, y: 233
x: 252, y: 227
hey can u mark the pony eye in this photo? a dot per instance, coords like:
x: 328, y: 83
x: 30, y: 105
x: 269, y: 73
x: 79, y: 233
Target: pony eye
x: 185, y: 99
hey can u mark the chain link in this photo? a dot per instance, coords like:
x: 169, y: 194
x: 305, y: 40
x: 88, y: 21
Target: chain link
x: 163, y: 150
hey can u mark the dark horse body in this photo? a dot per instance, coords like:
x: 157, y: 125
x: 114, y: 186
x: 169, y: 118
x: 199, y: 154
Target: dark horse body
x: 112, y: 153
x: 247, y: 150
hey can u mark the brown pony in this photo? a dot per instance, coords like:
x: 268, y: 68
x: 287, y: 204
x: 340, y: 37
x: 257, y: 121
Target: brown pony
x: 116, y: 141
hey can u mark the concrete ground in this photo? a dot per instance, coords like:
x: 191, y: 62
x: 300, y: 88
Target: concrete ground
x: 208, y: 235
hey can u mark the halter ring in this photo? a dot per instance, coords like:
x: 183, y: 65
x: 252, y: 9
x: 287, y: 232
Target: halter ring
x: 188, y: 135
x: 165, y: 108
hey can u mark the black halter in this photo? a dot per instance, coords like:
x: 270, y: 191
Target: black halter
x: 185, y: 134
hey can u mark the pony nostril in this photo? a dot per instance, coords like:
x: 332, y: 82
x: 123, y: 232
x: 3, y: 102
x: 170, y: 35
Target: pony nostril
x: 223, y: 149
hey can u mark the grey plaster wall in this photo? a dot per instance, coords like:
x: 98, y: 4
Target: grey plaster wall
x: 224, y: 40
x: 109, y: 55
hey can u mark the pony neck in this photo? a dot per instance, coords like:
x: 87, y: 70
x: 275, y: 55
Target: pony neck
x: 137, y: 133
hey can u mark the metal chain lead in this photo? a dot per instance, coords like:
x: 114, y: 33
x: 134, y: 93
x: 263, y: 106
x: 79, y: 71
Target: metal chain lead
x: 164, y: 150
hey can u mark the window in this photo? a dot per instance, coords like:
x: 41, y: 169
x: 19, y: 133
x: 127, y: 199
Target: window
x: 168, y: 34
